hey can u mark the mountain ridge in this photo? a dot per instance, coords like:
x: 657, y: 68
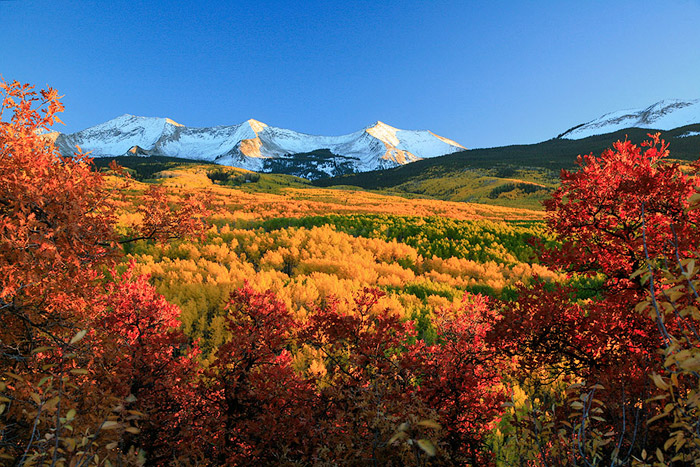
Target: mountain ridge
x: 665, y: 115
x: 254, y: 145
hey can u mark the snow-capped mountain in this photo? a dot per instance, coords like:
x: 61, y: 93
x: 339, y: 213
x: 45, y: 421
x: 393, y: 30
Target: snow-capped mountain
x: 253, y: 145
x: 664, y: 115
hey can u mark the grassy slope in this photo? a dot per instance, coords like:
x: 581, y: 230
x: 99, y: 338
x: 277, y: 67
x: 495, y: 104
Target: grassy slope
x: 152, y: 167
x: 480, y: 175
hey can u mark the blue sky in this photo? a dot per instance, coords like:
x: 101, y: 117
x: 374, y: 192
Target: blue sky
x: 482, y: 73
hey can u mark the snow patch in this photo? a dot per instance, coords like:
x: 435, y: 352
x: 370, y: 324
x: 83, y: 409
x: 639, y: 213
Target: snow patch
x: 663, y: 115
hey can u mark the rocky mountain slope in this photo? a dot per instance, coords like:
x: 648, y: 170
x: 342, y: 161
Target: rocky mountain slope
x: 253, y: 145
x: 664, y: 115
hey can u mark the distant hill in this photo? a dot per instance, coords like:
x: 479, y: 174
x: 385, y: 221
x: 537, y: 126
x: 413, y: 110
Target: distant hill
x: 154, y: 167
x: 507, y: 175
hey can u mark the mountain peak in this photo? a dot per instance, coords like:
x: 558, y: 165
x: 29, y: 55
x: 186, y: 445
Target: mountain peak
x: 256, y: 125
x: 253, y: 145
x: 666, y: 114
x: 381, y: 124
x: 384, y: 132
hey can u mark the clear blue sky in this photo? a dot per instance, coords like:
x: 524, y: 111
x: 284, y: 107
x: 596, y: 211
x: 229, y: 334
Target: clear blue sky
x: 483, y: 73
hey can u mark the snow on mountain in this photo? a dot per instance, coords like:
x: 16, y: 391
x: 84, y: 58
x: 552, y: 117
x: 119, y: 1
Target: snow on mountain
x: 664, y: 115
x: 253, y: 145
x: 113, y: 136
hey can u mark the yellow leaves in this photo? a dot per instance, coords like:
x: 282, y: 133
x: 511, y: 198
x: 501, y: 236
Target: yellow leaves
x: 675, y: 293
x: 687, y: 359
x: 669, y: 442
x: 398, y: 436
x: 427, y: 446
x: 659, y: 455
x: 14, y: 375
x: 78, y: 337
x: 690, y: 364
x: 406, y: 431
x: 659, y: 382
x: 657, y: 417
x: 694, y: 201
x: 40, y: 350
x: 689, y: 267
x: 305, y: 266
x: 429, y: 424
x: 110, y: 425
x: 52, y: 403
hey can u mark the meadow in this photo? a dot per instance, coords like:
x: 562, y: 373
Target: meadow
x: 308, y: 244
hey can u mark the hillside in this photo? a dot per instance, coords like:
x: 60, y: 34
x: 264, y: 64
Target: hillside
x: 518, y: 175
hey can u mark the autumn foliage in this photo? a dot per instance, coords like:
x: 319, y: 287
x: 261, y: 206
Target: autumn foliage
x: 75, y: 353
x: 344, y: 339
x: 623, y: 217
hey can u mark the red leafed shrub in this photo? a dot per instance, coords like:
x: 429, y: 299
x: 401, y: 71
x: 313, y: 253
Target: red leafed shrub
x: 150, y: 364
x: 597, y: 211
x: 379, y: 377
x: 257, y: 408
x: 378, y: 386
x: 620, y: 213
x: 461, y: 379
x: 369, y: 384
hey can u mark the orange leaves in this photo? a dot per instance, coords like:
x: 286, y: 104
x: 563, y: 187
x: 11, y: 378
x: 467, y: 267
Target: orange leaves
x: 162, y: 221
x: 56, y: 241
x: 54, y: 224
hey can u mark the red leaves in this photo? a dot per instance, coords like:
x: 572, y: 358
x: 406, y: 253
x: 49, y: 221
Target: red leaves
x: 260, y: 409
x: 258, y: 405
x: 56, y: 240
x: 610, y: 214
x: 374, y: 362
x: 597, y: 210
x: 617, y: 214
x: 148, y: 360
x: 461, y: 378
x: 545, y: 328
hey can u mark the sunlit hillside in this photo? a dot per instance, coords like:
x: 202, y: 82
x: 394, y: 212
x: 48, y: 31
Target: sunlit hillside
x: 273, y: 195
x: 309, y: 244
x: 515, y: 176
